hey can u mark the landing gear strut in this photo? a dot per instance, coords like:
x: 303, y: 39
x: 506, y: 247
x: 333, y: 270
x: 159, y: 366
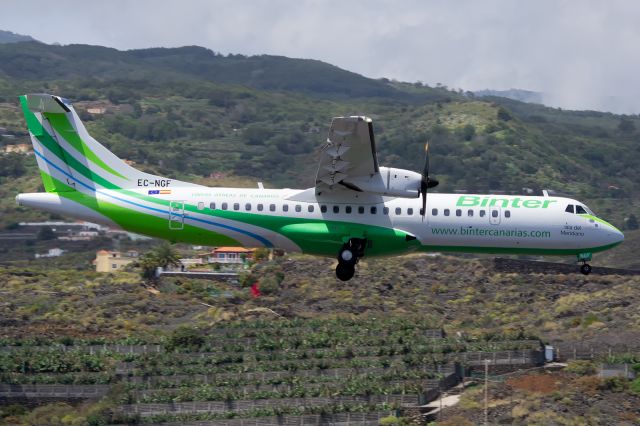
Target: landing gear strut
x: 348, y: 256
x: 584, y: 258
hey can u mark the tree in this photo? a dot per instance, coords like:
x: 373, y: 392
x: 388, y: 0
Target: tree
x: 503, y: 114
x: 161, y: 256
x: 626, y: 125
x: 468, y: 132
x: 185, y: 338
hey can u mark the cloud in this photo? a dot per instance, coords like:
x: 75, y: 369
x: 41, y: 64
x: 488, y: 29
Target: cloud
x: 580, y: 54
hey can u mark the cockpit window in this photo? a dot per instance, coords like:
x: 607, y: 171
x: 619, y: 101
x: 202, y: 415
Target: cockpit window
x: 569, y: 208
x: 580, y: 210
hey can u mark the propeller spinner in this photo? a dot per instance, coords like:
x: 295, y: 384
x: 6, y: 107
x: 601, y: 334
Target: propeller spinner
x: 427, y: 182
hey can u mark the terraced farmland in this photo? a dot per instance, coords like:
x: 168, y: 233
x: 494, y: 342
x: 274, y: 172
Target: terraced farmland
x: 331, y: 370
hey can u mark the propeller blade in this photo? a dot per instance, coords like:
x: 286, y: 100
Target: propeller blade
x: 424, y: 184
x: 425, y: 170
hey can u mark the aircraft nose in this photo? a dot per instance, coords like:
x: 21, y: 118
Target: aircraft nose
x: 619, y: 236
x: 616, y: 235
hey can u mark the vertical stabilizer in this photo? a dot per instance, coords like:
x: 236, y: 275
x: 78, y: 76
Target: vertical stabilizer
x: 68, y: 155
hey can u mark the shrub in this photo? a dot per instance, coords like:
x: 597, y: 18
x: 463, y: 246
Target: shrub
x: 185, y: 338
x: 634, y: 386
x: 13, y: 410
x: 390, y: 420
x: 581, y: 368
x: 615, y: 384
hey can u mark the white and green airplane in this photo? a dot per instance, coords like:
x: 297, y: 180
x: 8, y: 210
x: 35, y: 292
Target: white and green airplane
x: 356, y: 208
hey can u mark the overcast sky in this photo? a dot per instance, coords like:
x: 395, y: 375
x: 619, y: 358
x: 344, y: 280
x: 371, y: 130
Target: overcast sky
x: 581, y: 54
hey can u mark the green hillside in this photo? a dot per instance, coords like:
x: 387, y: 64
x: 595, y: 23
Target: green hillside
x: 37, y: 61
x: 190, y: 113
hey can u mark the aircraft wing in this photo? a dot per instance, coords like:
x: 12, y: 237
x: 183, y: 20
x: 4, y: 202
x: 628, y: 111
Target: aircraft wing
x: 350, y: 152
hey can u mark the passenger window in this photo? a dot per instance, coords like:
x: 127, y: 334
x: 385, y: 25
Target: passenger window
x: 212, y: 206
x: 458, y: 212
x: 494, y: 213
x: 374, y: 210
x: 569, y: 208
x: 580, y: 210
x: 385, y: 210
x: 323, y: 208
x: 347, y: 209
x: 482, y: 213
x: 398, y: 211
x: 200, y: 205
x: 285, y: 207
x: 272, y: 207
x: 470, y: 213
x: 336, y: 209
x: 310, y: 208
x: 434, y: 212
x: 298, y: 208
x: 446, y: 212
x: 260, y: 207
x: 224, y: 206
x: 361, y: 209
x: 410, y: 211
x: 421, y: 211
x: 236, y: 206
x: 247, y: 207
x: 507, y: 213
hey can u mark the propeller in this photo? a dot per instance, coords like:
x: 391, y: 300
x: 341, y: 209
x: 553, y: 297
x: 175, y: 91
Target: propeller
x: 426, y: 182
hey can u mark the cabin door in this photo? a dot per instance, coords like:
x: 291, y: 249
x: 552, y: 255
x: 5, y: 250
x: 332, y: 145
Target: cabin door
x: 176, y: 215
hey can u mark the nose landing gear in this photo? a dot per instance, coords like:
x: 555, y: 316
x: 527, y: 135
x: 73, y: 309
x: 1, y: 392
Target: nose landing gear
x: 585, y: 268
x: 348, y: 256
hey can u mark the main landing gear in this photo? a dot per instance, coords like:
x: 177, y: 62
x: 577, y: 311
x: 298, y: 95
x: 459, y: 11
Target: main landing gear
x: 348, y: 256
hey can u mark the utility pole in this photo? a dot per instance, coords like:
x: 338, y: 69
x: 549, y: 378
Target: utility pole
x: 486, y: 392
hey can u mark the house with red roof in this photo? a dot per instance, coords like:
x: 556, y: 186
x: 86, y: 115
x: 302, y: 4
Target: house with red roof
x: 233, y: 255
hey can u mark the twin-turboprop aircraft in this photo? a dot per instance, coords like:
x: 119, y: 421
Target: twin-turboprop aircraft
x: 357, y: 208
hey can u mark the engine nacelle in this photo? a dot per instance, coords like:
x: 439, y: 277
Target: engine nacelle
x: 389, y: 181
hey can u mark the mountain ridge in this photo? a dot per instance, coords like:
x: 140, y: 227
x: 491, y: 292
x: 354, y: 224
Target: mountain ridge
x: 11, y: 37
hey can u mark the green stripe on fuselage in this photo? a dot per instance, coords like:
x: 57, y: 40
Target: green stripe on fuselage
x: 324, y: 237
x: 142, y: 223
x: 597, y: 219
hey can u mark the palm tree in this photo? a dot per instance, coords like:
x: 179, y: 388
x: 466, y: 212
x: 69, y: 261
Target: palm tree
x: 163, y: 255
x: 166, y: 255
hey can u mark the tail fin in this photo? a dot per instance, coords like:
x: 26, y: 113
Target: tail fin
x: 68, y: 155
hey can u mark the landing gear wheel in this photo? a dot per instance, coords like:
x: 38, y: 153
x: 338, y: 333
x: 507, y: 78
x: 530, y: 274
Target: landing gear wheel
x: 345, y: 272
x: 347, y: 256
x: 585, y: 269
